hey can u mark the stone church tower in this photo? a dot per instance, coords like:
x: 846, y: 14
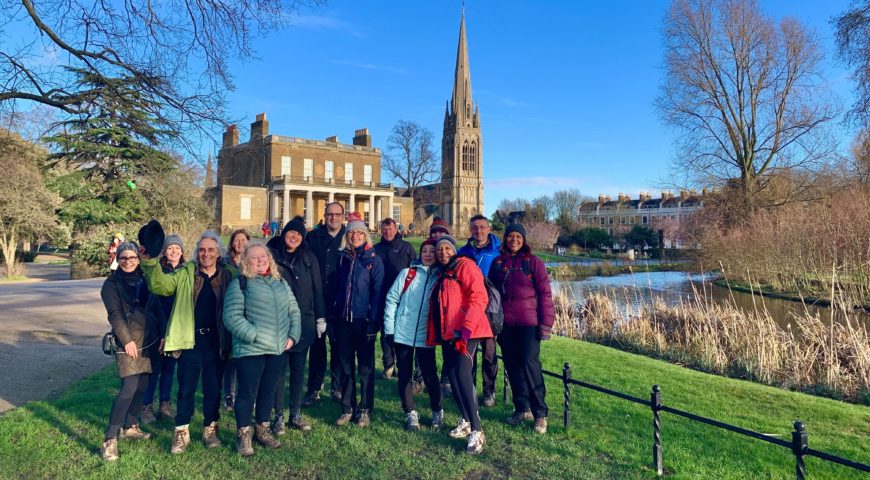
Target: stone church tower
x: 461, y: 152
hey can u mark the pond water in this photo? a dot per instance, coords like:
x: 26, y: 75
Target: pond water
x: 676, y: 287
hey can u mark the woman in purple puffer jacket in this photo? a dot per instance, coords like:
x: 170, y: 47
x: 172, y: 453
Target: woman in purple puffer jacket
x: 528, y: 318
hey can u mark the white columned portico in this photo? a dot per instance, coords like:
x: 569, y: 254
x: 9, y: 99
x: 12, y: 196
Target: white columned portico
x: 390, y: 208
x: 276, y: 205
x: 331, y: 196
x: 373, y: 223
x: 309, y: 208
x: 285, y: 215
x: 351, y: 204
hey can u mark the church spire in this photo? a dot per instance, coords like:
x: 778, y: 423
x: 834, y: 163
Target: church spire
x: 462, y: 103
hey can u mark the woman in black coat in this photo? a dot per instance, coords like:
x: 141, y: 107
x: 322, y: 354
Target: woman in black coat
x: 125, y: 296
x: 300, y: 269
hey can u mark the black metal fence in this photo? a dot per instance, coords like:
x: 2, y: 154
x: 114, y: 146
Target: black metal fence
x: 798, y: 445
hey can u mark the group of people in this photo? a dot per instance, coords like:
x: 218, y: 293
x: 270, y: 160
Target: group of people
x: 250, y: 314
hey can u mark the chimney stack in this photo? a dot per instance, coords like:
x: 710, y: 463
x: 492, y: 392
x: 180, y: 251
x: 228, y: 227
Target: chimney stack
x: 260, y: 127
x: 362, y: 138
x: 231, y: 137
x: 332, y: 139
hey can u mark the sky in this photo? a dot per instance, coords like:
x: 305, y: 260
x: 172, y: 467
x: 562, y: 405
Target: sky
x: 566, y: 89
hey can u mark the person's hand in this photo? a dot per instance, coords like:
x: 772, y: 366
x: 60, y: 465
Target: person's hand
x: 131, y: 350
x: 543, y: 334
x: 160, y: 347
x: 288, y: 345
x: 461, y: 346
x: 143, y: 254
x: 320, y: 326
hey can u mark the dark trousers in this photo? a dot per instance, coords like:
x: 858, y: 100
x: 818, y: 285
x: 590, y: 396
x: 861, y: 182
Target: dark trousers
x: 458, y: 367
x: 162, y: 374
x: 354, y: 344
x: 405, y: 356
x: 489, y: 367
x: 388, y: 356
x: 296, y: 362
x: 521, y: 349
x: 257, y: 376
x: 317, y: 363
x: 203, y: 360
x: 230, y: 378
x: 127, y: 404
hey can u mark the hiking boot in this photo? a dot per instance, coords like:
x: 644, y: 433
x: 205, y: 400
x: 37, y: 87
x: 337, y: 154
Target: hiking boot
x: 344, y: 419
x: 165, y: 410
x: 243, y: 442
x: 417, y: 388
x: 264, y: 437
x: 311, y: 398
x: 438, y: 420
x: 298, y: 422
x: 541, y: 425
x: 475, y: 443
x: 462, y: 430
x: 489, y: 400
x: 446, y: 390
x: 146, y: 416
x: 518, y: 418
x: 388, y: 373
x: 180, y: 441
x: 336, y: 395
x: 363, y: 419
x: 210, y: 435
x: 134, y: 433
x: 412, y: 421
x: 109, y: 450
x: 278, y: 428
x: 229, y: 403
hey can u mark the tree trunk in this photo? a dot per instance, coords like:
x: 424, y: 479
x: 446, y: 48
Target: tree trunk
x: 8, y: 244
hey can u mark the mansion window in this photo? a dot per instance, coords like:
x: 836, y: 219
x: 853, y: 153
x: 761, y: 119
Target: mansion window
x: 309, y: 168
x: 348, y: 172
x: 285, y: 166
x: 244, y: 208
x: 645, y: 221
x: 367, y: 174
x: 329, y: 173
x: 397, y: 212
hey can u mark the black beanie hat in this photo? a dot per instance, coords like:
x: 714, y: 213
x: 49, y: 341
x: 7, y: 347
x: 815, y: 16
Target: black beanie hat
x: 515, y: 227
x: 151, y: 236
x: 297, y: 225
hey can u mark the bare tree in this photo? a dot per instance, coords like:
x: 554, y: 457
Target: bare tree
x: 861, y: 157
x: 566, y: 204
x: 410, y: 156
x: 745, y: 96
x: 544, y: 204
x: 508, y: 205
x: 176, y: 53
x: 853, y: 47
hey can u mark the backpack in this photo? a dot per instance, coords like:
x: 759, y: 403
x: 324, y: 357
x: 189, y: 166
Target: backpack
x: 494, y: 310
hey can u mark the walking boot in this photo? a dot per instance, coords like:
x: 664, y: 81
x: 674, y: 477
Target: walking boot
x: 541, y: 425
x: 134, y: 433
x: 229, y: 403
x: 210, y: 436
x: 344, y: 419
x: 438, y: 420
x: 417, y: 388
x: 363, y: 419
x: 518, y: 418
x: 462, y: 430
x: 264, y: 437
x: 412, y: 421
x: 311, y: 398
x: 243, y: 441
x: 277, y: 427
x: 181, y: 440
x: 489, y: 400
x: 475, y: 443
x: 109, y: 450
x: 146, y: 416
x: 165, y: 410
x: 336, y: 395
x: 298, y: 422
x: 388, y: 373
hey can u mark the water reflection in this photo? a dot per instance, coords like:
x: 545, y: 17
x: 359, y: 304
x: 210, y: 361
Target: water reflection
x: 632, y: 290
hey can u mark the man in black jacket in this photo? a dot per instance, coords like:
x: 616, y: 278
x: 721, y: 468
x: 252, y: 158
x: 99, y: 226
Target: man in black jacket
x: 396, y: 255
x: 324, y: 243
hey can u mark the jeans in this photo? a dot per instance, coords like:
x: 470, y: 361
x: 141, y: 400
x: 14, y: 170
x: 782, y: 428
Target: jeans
x: 257, y: 377
x: 162, y: 374
x: 405, y: 356
x: 458, y: 367
x: 203, y: 360
x: 317, y: 362
x: 521, y: 349
x: 296, y: 362
x: 354, y: 346
x: 127, y: 404
x: 229, y: 378
x: 489, y: 367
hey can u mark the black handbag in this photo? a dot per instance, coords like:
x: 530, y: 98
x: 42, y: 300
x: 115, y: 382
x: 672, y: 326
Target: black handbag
x: 109, y: 345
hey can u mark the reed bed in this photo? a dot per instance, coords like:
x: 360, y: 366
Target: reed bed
x: 828, y: 359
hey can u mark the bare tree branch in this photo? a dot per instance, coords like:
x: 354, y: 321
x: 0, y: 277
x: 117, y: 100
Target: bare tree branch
x: 410, y: 157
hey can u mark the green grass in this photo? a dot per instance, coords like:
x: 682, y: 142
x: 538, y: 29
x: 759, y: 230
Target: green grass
x: 609, y: 437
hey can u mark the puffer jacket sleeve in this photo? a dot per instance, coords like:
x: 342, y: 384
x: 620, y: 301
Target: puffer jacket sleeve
x: 160, y: 283
x: 391, y: 306
x: 546, y: 311
x: 474, y: 298
x: 295, y: 330
x: 114, y: 304
x: 317, y: 286
x: 375, y: 286
x: 234, y: 314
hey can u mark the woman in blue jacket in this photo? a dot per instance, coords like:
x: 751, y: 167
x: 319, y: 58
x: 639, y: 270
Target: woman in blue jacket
x: 261, y: 313
x: 354, y: 317
x: 405, y: 314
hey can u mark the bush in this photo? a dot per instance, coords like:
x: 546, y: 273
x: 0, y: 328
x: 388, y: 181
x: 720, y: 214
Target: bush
x: 88, y: 257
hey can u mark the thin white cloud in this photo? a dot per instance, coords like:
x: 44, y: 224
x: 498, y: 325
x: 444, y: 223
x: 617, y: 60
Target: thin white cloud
x: 513, y: 103
x: 371, y: 66
x: 320, y: 22
x: 518, y: 182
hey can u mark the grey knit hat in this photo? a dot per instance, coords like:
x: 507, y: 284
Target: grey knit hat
x: 355, y: 222
x: 446, y: 239
x: 172, y: 239
x: 126, y: 246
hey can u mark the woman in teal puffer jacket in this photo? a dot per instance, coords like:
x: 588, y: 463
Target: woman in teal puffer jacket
x: 405, y: 314
x: 261, y: 313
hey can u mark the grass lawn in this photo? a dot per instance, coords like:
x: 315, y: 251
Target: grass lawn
x: 609, y: 438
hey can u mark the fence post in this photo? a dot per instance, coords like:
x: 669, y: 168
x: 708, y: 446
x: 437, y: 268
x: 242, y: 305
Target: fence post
x: 799, y: 445
x: 656, y: 405
x: 566, y: 379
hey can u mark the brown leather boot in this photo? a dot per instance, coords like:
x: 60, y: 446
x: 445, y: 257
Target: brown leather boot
x: 210, y: 436
x: 264, y: 436
x: 180, y: 441
x: 109, y: 450
x: 243, y: 441
x: 146, y: 416
x: 165, y: 410
x: 134, y: 433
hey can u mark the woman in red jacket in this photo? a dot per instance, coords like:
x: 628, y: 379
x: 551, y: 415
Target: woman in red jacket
x: 458, y: 322
x: 528, y: 317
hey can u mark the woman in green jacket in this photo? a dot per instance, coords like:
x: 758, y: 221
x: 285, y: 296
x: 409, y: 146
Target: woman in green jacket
x: 261, y: 313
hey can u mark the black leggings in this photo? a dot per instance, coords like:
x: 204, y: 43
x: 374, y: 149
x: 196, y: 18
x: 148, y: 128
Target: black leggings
x: 256, y: 378
x: 458, y: 367
x: 127, y: 404
x: 296, y: 361
x: 405, y: 356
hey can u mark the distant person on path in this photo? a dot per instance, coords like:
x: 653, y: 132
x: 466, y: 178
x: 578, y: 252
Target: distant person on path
x: 163, y: 366
x: 396, y: 254
x: 125, y: 296
x: 273, y: 227
x: 457, y: 321
x: 483, y: 247
x: 300, y: 269
x: 528, y: 318
x: 196, y: 334
x: 265, y: 228
x: 356, y: 320
x: 117, y: 239
x: 325, y: 244
x: 406, y: 313
x: 261, y: 313
x: 239, y: 240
